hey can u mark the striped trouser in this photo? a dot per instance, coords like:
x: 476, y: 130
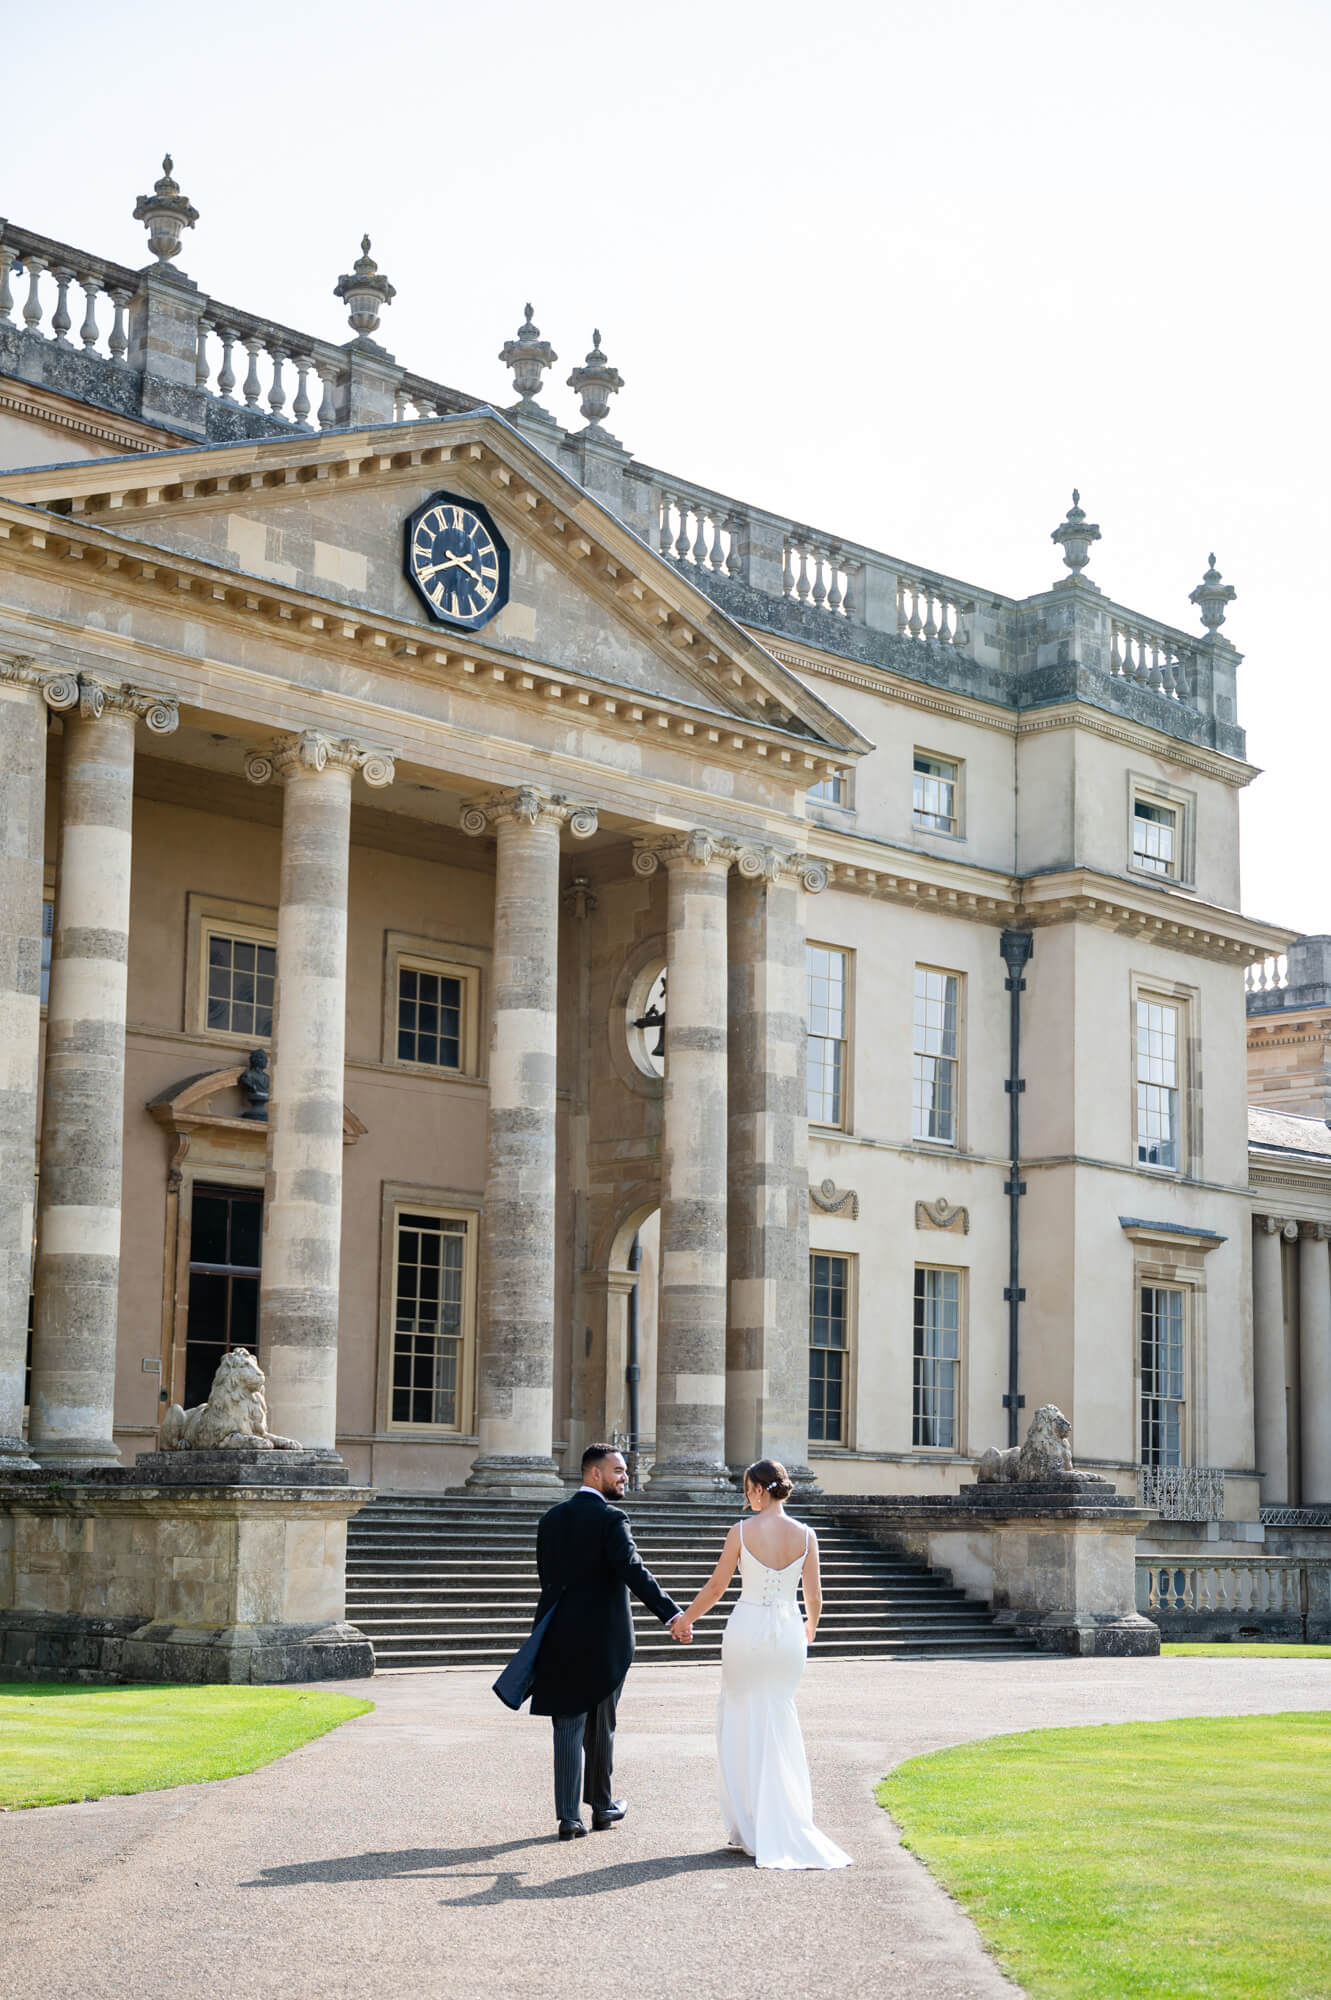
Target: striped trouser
x: 590, y: 1736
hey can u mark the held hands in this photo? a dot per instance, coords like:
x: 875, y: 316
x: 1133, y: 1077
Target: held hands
x: 681, y: 1629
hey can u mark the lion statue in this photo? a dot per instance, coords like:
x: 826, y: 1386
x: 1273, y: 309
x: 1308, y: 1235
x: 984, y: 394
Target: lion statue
x: 234, y: 1417
x: 1045, y: 1454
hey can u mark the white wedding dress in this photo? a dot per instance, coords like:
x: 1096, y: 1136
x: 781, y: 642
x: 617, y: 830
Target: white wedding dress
x: 766, y: 1799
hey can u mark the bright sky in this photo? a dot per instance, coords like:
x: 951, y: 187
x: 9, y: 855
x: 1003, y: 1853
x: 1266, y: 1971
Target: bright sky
x: 908, y: 271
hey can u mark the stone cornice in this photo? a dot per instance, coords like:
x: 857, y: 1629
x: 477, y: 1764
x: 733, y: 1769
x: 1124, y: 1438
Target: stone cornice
x: 1137, y: 736
x: 524, y: 488
x: 84, y: 419
x: 1292, y: 1030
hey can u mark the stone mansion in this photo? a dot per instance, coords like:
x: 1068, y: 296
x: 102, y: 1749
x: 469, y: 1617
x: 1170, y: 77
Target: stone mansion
x: 539, y: 949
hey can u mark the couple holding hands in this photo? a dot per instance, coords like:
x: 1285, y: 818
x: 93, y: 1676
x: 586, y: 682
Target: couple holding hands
x: 581, y: 1647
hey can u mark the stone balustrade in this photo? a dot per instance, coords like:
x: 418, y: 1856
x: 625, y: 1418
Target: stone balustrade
x: 1277, y: 1596
x: 149, y: 344
x: 1268, y: 975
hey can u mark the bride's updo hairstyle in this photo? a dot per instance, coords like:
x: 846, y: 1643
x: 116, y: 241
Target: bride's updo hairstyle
x: 771, y: 1477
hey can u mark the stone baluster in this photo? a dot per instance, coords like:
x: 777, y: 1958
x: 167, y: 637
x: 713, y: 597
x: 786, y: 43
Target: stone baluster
x: 300, y: 408
x: 516, y: 1348
x: 226, y: 379
x: 32, y: 308
x: 684, y: 539
x: 327, y: 412
x: 1315, y: 1364
x: 1268, y: 1344
x: 23, y: 723
x: 735, y: 553
x: 60, y: 318
x: 835, y: 594
x: 767, y: 1334
x: 79, y: 1193
x: 664, y: 540
x: 89, y: 332
x: 691, y: 1315
x: 119, y: 337
x: 201, y: 367
x: 277, y: 394
x: 817, y: 561
x: 853, y: 602
x: 915, y: 625
x: 302, y: 1211
x: 252, y: 387
x: 6, y: 292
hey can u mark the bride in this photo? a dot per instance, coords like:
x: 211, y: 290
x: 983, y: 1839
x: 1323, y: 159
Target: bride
x: 766, y: 1800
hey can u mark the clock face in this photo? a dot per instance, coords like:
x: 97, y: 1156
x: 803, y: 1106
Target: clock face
x: 457, y: 561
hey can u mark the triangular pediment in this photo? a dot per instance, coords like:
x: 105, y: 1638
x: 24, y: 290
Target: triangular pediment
x: 323, y: 517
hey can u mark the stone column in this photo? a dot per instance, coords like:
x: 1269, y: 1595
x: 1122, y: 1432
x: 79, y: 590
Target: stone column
x: 79, y: 1193
x: 23, y: 724
x: 516, y: 1350
x: 1268, y: 1359
x: 1315, y: 1364
x: 691, y: 1324
x: 302, y: 1206
x: 767, y: 1360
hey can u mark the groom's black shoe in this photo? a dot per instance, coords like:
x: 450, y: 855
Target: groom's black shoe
x: 572, y: 1829
x: 605, y: 1816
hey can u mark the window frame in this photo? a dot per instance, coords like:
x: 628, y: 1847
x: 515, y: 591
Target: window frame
x: 444, y: 1205
x: 847, y: 1037
x: 446, y: 960
x: 218, y: 916
x: 954, y: 1144
x: 846, y: 1442
x: 957, y: 765
x: 844, y: 801
x: 1182, y: 804
x: 1148, y: 1282
x: 957, y: 1448
x: 1184, y: 1000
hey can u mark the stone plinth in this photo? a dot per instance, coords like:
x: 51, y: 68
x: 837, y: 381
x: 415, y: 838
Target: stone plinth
x: 1057, y: 1560
x: 181, y: 1570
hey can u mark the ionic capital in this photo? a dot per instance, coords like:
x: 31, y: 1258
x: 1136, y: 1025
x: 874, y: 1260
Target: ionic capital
x: 1314, y: 1232
x: 773, y: 865
x: 695, y: 849
x: 1279, y: 1225
x: 92, y: 695
x: 529, y: 805
x: 310, y: 750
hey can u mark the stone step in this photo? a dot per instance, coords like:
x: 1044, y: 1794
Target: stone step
x: 984, y: 1645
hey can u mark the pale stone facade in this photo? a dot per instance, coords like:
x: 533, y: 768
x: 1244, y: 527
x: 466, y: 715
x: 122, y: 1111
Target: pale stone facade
x: 693, y: 741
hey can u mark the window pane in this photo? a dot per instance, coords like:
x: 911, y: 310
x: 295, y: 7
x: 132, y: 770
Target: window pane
x: 242, y: 977
x: 428, y: 1323
x: 429, y: 1018
x: 826, y: 991
x: 1157, y: 1084
x: 828, y: 1337
x: 936, y: 1070
x: 935, y: 794
x: 1162, y: 1376
x: 1153, y: 836
x: 937, y: 1366
x: 830, y: 790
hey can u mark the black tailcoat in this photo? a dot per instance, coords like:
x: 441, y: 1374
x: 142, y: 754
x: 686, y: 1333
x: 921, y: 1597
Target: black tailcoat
x: 585, y: 1551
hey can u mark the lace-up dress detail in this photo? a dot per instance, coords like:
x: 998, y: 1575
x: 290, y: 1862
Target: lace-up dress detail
x: 766, y: 1798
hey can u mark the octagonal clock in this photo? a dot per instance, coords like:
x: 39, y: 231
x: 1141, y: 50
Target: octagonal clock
x: 456, y: 561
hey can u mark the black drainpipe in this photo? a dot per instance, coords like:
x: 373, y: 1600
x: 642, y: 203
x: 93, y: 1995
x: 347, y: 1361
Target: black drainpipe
x: 1016, y: 947
x: 634, y: 1371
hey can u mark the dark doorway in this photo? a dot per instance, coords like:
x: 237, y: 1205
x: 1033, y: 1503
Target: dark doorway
x: 226, y: 1226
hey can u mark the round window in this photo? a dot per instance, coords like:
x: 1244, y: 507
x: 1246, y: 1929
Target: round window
x: 644, y: 1020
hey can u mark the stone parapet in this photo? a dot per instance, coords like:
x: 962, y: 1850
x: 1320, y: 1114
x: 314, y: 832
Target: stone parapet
x: 1056, y: 1560
x: 159, y: 1575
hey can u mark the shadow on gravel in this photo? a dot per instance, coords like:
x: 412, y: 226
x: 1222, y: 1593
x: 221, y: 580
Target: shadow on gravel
x: 503, y: 1885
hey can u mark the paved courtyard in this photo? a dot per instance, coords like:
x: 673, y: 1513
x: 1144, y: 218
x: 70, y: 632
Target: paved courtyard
x: 412, y: 1852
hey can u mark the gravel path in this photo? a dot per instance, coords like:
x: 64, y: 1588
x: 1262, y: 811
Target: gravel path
x: 411, y: 1853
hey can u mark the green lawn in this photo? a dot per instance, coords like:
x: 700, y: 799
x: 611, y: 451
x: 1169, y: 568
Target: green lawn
x: 1184, y: 1860
x: 1204, y: 1649
x: 62, y: 1742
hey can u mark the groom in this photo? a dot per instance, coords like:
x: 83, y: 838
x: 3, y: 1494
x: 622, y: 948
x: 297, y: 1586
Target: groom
x: 588, y: 1565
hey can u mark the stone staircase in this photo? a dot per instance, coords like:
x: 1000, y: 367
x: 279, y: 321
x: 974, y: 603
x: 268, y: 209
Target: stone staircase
x: 450, y: 1581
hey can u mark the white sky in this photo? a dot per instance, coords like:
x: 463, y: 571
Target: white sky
x: 908, y: 272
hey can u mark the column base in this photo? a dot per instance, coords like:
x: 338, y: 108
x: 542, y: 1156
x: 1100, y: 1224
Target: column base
x: 514, y: 1476
x: 1092, y: 1634
x: 15, y: 1456
x: 72, y: 1454
x: 690, y: 1479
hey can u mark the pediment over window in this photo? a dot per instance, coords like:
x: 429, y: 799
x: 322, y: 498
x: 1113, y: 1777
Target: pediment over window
x: 214, y: 1105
